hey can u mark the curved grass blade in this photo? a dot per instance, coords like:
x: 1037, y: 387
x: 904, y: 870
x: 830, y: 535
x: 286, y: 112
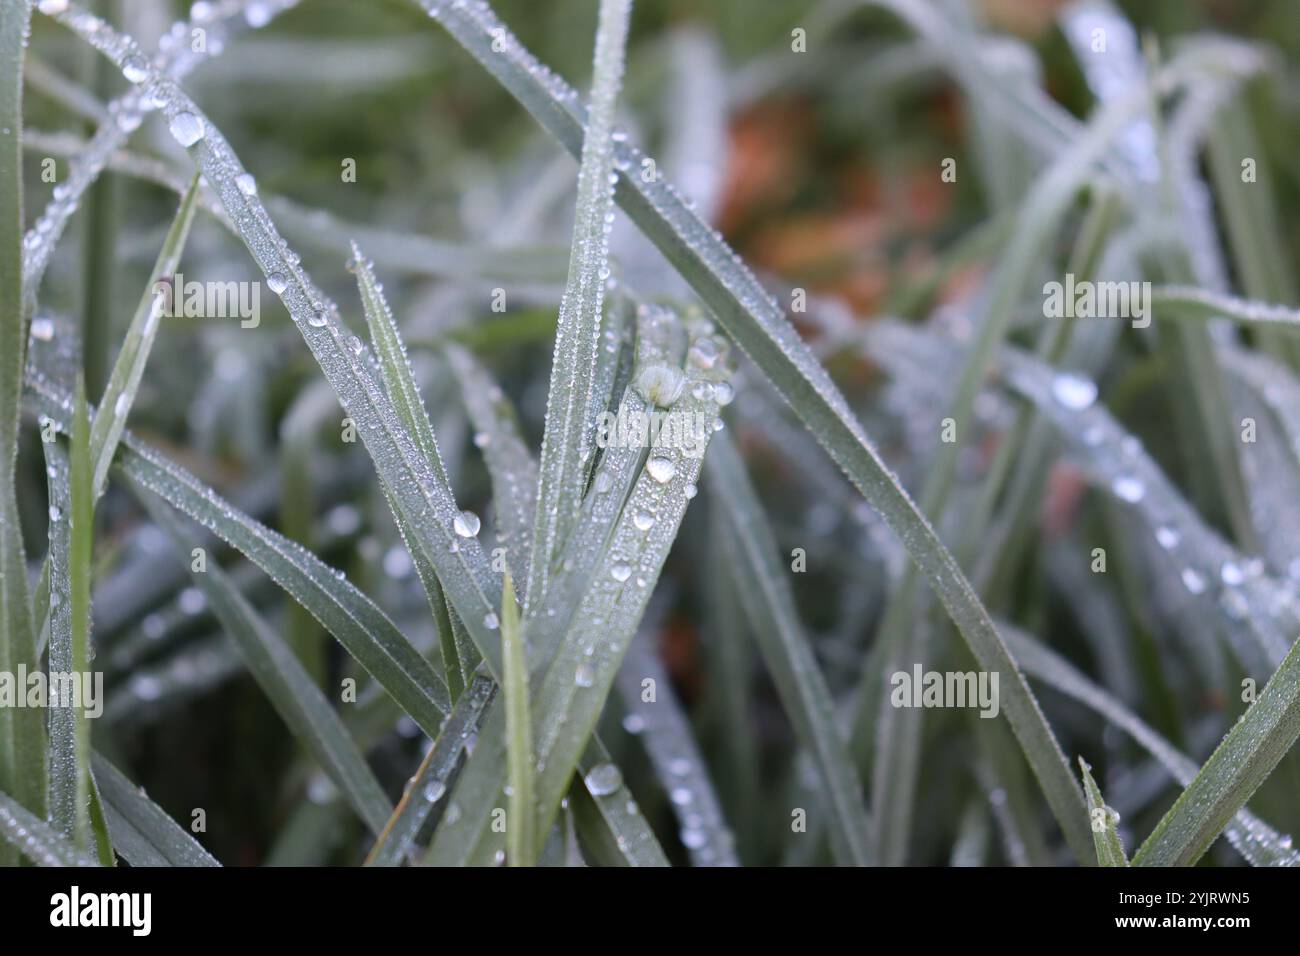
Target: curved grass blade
x: 272, y: 663
x: 1105, y: 822
x: 566, y: 442
x: 22, y: 745
x: 429, y: 784
x: 142, y: 832
x: 786, y: 651
x: 608, y: 821
x: 523, y: 845
x: 35, y: 839
x: 1204, y: 304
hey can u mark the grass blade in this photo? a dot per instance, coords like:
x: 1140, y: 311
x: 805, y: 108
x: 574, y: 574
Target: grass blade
x: 1104, y: 820
x: 565, y: 447
x: 523, y: 845
x: 429, y: 784
x: 142, y: 832
x: 35, y: 839
x: 786, y: 651
x: 22, y: 745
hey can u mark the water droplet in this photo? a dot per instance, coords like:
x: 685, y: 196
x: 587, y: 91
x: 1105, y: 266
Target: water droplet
x: 135, y: 69
x: 482, y: 439
x: 491, y: 621
x: 661, y: 469
x: 693, y: 839
x: 603, y: 780
x: 723, y: 393
x: 620, y: 572
x: 186, y: 128
x: 1231, y: 573
x: 276, y: 282
x: 247, y: 184
x: 690, y: 491
x: 43, y: 329
x: 643, y: 520
x: 1167, y: 538
x: 634, y: 723
x: 1074, y: 391
x: 51, y: 7
x: 680, y: 796
x: 703, y: 353
x: 660, y: 385
x: 122, y: 405
x: 318, y: 318
x: 1193, y: 580
x: 603, y: 482
x: 434, y: 790
x: 584, y: 676
x: 146, y: 687
x: 466, y: 524
x: 55, y: 513
x: 679, y: 766
x: 1129, y: 489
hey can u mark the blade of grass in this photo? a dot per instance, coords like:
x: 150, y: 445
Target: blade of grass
x: 81, y: 521
x: 142, y: 832
x: 771, y: 612
x: 35, y: 839
x: 22, y: 745
x: 523, y: 846
x: 1105, y: 832
x: 429, y: 784
x: 459, y: 656
x: 565, y: 442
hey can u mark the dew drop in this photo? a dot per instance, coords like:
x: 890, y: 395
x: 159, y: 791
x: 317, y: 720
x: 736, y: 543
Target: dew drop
x: 661, y: 469
x: 643, y: 520
x: 318, y: 318
x: 43, y: 329
x: 603, y: 779
x: 1129, y: 489
x: 276, y: 282
x: 603, y: 482
x: 584, y: 676
x: 1231, y: 573
x: 634, y: 723
x: 186, y: 128
x: 1193, y: 580
x: 1167, y: 538
x: 491, y: 621
x: 620, y: 572
x: 55, y: 513
x: 135, y: 69
x: 1074, y: 391
x: 434, y: 790
x: 466, y: 524
x: 247, y: 184
x: 723, y: 393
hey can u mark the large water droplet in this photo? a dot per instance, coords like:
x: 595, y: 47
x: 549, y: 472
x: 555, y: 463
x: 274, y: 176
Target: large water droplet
x: 643, y: 520
x: 1129, y: 489
x: 466, y: 524
x: 620, y: 572
x: 434, y: 790
x: 603, y: 779
x: 661, y: 469
x: 135, y: 69
x: 277, y: 283
x: 1074, y: 391
x: 186, y: 128
x: 723, y: 393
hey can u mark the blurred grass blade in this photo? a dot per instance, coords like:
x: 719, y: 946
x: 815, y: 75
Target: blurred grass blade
x: 1204, y: 304
x: 769, y: 607
x: 459, y: 658
x: 290, y: 690
x: 565, y: 443
x: 665, y: 730
x: 142, y: 832
x: 429, y: 784
x: 35, y: 839
x: 22, y: 743
x: 1104, y: 821
x: 523, y: 846
x: 1234, y: 771
x: 81, y: 522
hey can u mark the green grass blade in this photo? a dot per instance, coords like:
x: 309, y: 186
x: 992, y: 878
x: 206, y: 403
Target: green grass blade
x: 565, y: 443
x: 22, y: 747
x: 608, y: 821
x: 35, y: 839
x: 399, y: 381
x: 142, y: 832
x: 277, y: 671
x: 1193, y: 302
x: 1254, y: 839
x: 771, y: 612
x: 429, y: 784
x: 1104, y: 822
x: 81, y: 521
x: 522, y: 839
x: 1234, y: 771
